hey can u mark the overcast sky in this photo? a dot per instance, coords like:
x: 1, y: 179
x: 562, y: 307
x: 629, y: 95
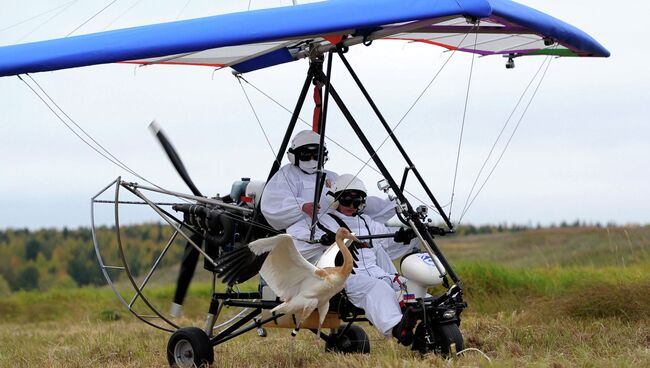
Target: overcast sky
x: 581, y: 152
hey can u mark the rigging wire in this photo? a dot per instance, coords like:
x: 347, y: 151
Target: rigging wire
x: 91, y: 18
x: 268, y: 141
x: 392, y: 131
x: 510, y: 138
x: 306, y: 123
x: 121, y: 164
x: 182, y: 10
x: 366, y: 163
x: 462, y: 126
x: 97, y: 147
x: 503, y: 128
x: 122, y: 14
x: 68, y: 125
x: 37, y: 15
x: 334, y: 142
x: 46, y: 22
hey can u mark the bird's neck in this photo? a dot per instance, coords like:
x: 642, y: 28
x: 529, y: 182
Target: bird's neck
x: 347, y: 257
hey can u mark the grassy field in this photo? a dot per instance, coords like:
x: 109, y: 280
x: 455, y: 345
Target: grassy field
x: 547, y: 298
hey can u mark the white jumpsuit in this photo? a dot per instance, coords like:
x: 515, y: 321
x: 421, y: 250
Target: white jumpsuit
x: 371, y: 287
x: 290, y: 188
x: 285, y: 194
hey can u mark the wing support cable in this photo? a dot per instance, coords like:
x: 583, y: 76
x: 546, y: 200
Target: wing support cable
x: 122, y: 14
x: 462, y: 126
x: 259, y: 123
x: 498, y: 138
x: 372, y: 155
x: 91, y: 18
x: 547, y: 60
x: 330, y: 140
x: 391, y: 134
x: 38, y: 15
x: 61, y: 115
x: 48, y: 20
x: 417, y: 225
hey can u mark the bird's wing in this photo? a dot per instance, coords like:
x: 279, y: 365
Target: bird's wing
x: 239, y: 265
x: 284, y: 270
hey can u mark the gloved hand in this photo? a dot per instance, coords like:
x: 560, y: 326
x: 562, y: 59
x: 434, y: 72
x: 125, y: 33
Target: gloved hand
x: 404, y: 235
x: 327, y: 239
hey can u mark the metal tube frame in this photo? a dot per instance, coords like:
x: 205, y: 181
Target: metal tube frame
x: 405, y: 207
x: 124, y: 267
x: 103, y: 266
x: 397, y: 143
x: 285, y: 142
x: 431, y: 246
x: 320, y: 175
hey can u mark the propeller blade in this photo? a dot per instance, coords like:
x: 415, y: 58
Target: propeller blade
x: 173, y: 156
x: 188, y: 265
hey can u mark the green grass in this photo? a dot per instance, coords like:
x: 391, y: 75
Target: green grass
x: 552, y: 298
x: 564, y: 247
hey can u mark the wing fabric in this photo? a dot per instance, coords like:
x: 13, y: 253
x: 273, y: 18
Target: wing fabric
x: 257, y: 39
x: 285, y: 270
x: 300, y: 22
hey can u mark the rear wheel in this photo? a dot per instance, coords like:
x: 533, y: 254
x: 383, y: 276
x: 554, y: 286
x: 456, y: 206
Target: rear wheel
x: 189, y: 347
x: 354, y: 340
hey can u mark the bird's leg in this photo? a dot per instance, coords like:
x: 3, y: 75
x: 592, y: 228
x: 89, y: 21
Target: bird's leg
x: 322, y: 313
x: 317, y: 340
x: 294, y: 333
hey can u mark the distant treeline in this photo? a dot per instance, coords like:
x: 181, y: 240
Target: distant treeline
x: 513, y: 228
x: 52, y: 258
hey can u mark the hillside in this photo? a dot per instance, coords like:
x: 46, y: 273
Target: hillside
x: 549, y: 247
x: 49, y: 258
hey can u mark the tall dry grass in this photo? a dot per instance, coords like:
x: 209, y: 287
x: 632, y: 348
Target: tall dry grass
x: 565, y: 298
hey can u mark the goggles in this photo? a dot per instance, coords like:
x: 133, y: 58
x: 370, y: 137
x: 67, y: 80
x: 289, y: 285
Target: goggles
x: 308, y: 153
x: 351, y: 199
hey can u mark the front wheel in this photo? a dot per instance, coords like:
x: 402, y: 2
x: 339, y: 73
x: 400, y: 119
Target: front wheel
x: 445, y: 339
x: 189, y: 347
x: 354, y: 340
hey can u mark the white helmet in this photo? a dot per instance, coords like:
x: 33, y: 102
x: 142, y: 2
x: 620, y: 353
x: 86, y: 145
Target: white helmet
x: 348, y: 182
x: 349, y: 190
x: 304, y: 151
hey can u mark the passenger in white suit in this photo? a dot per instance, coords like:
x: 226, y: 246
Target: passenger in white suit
x: 374, y: 284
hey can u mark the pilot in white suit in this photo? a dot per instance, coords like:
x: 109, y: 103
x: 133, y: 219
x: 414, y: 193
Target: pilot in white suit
x: 288, y: 197
x: 374, y: 283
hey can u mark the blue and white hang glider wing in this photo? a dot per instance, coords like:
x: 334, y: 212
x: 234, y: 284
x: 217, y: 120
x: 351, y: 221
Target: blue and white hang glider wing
x: 257, y: 39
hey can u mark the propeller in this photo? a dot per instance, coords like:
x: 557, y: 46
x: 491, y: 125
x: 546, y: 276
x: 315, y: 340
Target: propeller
x: 191, y: 254
x: 173, y: 157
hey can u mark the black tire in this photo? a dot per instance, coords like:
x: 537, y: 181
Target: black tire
x: 189, y: 347
x: 438, y: 339
x: 353, y: 341
x: 445, y: 336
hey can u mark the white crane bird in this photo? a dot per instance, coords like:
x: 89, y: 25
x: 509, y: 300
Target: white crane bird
x: 300, y: 285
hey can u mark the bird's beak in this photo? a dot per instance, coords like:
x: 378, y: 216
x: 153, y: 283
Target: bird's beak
x: 353, y: 238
